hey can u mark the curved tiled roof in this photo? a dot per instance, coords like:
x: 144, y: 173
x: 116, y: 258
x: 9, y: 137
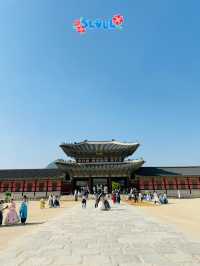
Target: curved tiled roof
x: 99, y: 148
x: 12, y: 174
x: 100, y: 168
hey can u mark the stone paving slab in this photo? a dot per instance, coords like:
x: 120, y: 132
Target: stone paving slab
x: 90, y: 237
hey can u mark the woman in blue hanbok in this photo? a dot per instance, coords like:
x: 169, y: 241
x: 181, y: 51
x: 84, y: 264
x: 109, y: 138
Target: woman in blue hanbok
x: 23, y: 211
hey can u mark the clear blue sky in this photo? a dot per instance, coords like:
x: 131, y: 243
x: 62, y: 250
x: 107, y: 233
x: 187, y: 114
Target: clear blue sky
x: 141, y: 83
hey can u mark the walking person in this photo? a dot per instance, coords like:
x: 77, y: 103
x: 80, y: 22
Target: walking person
x: 50, y: 201
x: 155, y: 198
x: 42, y: 204
x: 97, y: 199
x: 12, y: 217
x: 140, y: 197
x: 56, y: 202
x: 135, y: 195
x: 118, y: 197
x: 2, y: 208
x: 76, y: 195
x: 23, y: 211
x: 84, y: 202
x: 113, y: 197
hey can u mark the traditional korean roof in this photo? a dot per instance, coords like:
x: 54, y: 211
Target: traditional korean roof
x: 13, y: 174
x: 100, y: 168
x: 99, y: 148
x: 169, y: 171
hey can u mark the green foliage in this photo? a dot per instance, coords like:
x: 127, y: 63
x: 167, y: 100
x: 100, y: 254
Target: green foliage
x: 116, y: 186
x: 7, y: 196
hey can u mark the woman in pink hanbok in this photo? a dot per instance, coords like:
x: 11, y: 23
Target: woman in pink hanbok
x: 11, y: 217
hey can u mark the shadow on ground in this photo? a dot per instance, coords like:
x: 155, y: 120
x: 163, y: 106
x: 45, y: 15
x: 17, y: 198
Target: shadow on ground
x: 27, y: 224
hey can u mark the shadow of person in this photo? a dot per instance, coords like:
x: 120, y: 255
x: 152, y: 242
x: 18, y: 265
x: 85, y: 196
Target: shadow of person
x: 19, y: 224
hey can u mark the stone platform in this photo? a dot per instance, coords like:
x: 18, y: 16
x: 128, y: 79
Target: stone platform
x: 90, y: 237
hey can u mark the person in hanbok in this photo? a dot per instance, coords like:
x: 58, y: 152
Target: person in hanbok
x: 42, y: 204
x: 155, y: 198
x: 76, y: 195
x: 104, y: 204
x: 97, y: 199
x: 140, y: 197
x: 84, y: 202
x: 118, y: 197
x: 113, y: 197
x: 11, y: 217
x: 2, y: 208
x: 23, y: 211
x: 50, y: 201
x: 56, y: 202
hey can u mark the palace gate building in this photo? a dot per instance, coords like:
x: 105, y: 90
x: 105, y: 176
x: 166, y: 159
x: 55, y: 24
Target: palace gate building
x: 98, y: 164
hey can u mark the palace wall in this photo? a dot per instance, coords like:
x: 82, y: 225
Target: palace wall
x: 188, y: 186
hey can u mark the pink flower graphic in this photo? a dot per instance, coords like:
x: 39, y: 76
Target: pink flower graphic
x: 118, y: 20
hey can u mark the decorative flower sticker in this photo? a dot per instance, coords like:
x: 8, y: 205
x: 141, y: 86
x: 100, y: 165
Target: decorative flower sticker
x: 78, y: 26
x: 118, y: 20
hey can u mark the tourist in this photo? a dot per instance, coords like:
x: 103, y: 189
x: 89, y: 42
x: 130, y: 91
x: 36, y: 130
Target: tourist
x: 135, y: 195
x: 140, y: 197
x: 113, y: 197
x: 54, y: 199
x: 165, y: 200
x: 79, y: 194
x: 97, y: 199
x: 42, y: 204
x: 23, y: 210
x: 178, y: 193
x: 155, y: 198
x: 84, y: 202
x: 2, y: 208
x: 56, y: 202
x: 12, y: 217
x: 118, y: 197
x: 75, y: 195
x: 104, y: 206
x: 50, y: 201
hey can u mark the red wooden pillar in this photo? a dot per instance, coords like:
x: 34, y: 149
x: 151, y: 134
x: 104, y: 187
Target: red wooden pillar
x: 49, y: 185
x: 23, y: 187
x: 189, y: 181
x: 174, y: 183
x: 9, y: 186
x: 166, y: 183
x: 153, y: 183
x: 141, y: 184
x: 35, y: 186
x: 59, y: 183
x: 150, y: 187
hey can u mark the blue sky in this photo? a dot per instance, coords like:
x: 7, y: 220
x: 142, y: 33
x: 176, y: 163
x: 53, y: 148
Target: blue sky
x: 141, y: 83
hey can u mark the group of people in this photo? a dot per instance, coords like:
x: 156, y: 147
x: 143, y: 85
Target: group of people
x: 53, y: 201
x: 148, y: 196
x: 100, y: 197
x: 12, y: 217
x: 81, y: 193
x: 101, y: 201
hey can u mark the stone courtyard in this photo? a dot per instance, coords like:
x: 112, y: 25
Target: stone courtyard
x: 123, y: 236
